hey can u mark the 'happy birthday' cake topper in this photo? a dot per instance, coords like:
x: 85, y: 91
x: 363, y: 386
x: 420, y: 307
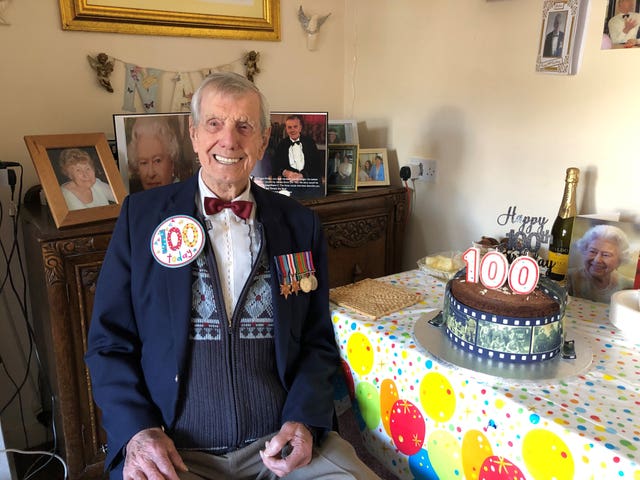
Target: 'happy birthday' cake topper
x: 515, y: 259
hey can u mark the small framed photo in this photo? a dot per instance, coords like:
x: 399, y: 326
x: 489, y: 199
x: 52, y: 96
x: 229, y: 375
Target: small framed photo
x: 295, y: 161
x: 79, y: 177
x: 342, y: 131
x: 373, y: 168
x: 153, y: 149
x: 559, y: 48
x: 342, y: 168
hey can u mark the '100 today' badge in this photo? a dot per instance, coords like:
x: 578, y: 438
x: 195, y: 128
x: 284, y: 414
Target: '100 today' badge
x: 177, y: 241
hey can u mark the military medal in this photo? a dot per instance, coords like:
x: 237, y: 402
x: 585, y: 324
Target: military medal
x: 305, y: 284
x: 296, y: 272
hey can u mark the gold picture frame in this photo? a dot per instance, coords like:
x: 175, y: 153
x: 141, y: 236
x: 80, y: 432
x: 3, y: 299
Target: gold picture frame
x: 190, y: 18
x: 46, y: 150
x: 373, y: 168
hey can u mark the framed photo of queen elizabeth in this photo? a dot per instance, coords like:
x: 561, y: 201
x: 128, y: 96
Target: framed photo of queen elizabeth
x: 154, y: 149
x: 603, y: 258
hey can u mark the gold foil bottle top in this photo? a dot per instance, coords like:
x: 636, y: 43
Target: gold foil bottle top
x: 573, y: 175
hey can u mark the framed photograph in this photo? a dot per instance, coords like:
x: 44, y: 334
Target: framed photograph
x: 240, y: 20
x: 603, y: 258
x: 295, y: 161
x: 343, y: 131
x: 79, y: 177
x: 560, y: 44
x: 621, y: 25
x: 342, y: 168
x: 373, y: 168
x: 153, y: 149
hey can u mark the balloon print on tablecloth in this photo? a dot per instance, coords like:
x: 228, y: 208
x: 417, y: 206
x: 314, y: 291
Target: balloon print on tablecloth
x: 547, y: 456
x: 388, y: 396
x: 499, y: 468
x: 475, y: 450
x: 437, y: 397
x: 407, y: 427
x: 444, y: 452
x: 369, y: 403
x: 420, y: 466
x: 348, y: 378
x: 360, y: 353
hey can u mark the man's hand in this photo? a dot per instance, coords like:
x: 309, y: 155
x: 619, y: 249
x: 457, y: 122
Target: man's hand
x: 297, y: 435
x: 291, y: 175
x: 629, y: 23
x: 151, y: 455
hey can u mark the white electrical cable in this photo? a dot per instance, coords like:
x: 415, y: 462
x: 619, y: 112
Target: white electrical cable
x: 38, y: 452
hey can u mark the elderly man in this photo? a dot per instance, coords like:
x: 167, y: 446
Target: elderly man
x: 211, y: 353
x: 623, y: 27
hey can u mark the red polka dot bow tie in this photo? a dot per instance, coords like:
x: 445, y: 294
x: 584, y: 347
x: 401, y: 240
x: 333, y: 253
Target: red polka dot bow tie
x: 241, y: 208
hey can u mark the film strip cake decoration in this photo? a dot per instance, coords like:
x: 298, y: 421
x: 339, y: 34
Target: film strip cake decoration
x: 514, y: 339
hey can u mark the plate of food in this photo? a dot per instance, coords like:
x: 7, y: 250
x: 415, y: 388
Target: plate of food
x: 442, y: 265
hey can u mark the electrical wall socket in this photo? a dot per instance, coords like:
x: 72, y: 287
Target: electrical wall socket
x: 426, y: 169
x: 4, y: 177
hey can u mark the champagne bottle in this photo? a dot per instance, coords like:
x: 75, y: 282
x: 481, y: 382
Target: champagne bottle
x: 563, y: 226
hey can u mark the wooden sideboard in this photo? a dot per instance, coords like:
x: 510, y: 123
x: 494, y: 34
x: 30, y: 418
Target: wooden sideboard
x: 364, y: 233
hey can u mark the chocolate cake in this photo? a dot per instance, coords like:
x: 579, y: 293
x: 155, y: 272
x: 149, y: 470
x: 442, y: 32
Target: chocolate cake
x: 503, y: 301
x: 502, y: 325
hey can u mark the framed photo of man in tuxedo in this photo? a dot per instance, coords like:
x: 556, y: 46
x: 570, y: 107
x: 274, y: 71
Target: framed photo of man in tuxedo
x: 561, y: 36
x: 295, y: 161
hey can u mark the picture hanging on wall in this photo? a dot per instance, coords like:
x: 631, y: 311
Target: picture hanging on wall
x: 79, y: 177
x: 153, y: 149
x: 621, y: 25
x: 560, y: 46
x: 238, y: 20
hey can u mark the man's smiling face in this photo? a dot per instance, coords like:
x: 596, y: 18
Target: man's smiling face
x: 228, y: 141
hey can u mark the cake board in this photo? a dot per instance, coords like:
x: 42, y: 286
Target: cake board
x: 435, y: 341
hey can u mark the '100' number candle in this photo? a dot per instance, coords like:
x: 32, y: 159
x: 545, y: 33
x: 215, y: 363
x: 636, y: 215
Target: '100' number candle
x: 493, y: 269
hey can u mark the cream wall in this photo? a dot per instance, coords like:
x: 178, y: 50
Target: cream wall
x: 48, y: 87
x: 422, y: 78
x: 459, y: 85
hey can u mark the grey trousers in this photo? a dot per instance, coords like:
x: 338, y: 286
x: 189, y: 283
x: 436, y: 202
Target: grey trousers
x: 335, y: 459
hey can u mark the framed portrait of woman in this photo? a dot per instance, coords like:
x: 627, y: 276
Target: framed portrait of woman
x: 373, y: 167
x: 79, y: 177
x: 603, y: 258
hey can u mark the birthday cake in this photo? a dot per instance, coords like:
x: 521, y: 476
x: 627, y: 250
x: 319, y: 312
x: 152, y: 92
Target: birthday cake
x: 504, y: 310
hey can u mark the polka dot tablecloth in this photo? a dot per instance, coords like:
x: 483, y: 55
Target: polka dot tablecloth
x: 425, y: 419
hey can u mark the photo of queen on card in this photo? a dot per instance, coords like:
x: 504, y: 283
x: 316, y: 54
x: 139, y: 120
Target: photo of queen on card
x: 602, y: 258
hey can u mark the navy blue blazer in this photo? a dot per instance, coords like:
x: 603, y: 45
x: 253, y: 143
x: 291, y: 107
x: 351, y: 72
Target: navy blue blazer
x: 138, y: 337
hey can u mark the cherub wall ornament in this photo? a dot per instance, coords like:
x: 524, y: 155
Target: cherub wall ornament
x: 251, y: 64
x: 311, y: 25
x: 103, y: 67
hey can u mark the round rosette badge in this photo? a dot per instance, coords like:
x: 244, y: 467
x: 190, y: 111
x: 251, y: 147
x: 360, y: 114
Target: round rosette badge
x: 177, y: 241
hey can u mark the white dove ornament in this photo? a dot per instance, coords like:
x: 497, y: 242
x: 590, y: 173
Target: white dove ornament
x: 311, y: 26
